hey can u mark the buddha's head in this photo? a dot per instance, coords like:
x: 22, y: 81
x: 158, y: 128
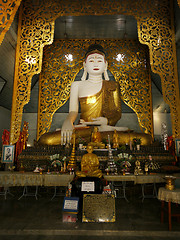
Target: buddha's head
x: 89, y: 149
x: 95, y: 62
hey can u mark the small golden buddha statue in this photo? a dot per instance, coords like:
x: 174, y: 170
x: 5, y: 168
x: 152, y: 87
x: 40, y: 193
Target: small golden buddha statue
x: 138, y: 170
x: 96, y: 139
x: 96, y: 135
x: 146, y: 169
x: 89, y: 165
x: 115, y: 139
x: 25, y: 135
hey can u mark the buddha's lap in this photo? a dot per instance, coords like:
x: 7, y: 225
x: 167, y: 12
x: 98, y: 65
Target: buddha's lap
x: 54, y: 138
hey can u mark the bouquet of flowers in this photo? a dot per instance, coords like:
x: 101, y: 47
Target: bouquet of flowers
x: 125, y: 166
x: 56, y: 162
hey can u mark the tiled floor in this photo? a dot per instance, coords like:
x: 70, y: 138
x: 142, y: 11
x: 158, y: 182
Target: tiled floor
x: 33, y: 219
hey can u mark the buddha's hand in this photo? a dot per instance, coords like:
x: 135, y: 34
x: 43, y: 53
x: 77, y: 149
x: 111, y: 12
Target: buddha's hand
x: 67, y: 127
x: 95, y: 121
x: 66, y: 132
x: 81, y: 121
x: 100, y: 120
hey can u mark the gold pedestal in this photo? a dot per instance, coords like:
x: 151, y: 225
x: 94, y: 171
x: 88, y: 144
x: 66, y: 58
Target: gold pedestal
x: 170, y: 182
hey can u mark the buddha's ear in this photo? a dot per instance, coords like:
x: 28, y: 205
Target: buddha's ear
x: 84, y: 73
x: 105, y: 72
x: 84, y: 64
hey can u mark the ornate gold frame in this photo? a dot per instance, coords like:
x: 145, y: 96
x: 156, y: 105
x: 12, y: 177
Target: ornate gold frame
x: 8, y: 10
x: 36, y: 29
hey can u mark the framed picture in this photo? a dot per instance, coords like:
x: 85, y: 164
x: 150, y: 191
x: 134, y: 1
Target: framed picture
x: 8, y: 154
x: 177, y: 147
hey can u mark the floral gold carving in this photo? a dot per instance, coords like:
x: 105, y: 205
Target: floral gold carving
x: 36, y: 29
x: 157, y: 32
x: 8, y: 9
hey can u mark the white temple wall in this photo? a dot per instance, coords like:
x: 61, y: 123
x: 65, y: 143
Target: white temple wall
x: 127, y: 120
x: 5, y: 120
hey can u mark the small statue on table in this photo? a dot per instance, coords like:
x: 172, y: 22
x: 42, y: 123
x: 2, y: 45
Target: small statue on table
x: 96, y: 140
x: 138, y: 170
x: 115, y: 140
x: 89, y: 165
x: 146, y: 169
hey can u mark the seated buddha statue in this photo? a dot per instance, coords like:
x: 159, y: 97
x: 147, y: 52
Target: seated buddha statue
x: 96, y: 140
x: 99, y: 98
x: 115, y: 139
x: 96, y: 136
x: 137, y: 169
x: 89, y: 165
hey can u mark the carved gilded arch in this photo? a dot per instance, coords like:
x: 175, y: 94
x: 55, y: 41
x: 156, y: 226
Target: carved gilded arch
x: 37, y: 28
x: 8, y: 9
x: 158, y: 33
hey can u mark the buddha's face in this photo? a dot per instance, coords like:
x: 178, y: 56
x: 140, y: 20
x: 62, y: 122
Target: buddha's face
x: 95, y: 64
x: 89, y: 149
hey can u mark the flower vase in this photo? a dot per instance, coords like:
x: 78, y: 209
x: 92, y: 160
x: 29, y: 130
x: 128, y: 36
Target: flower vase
x: 138, y: 147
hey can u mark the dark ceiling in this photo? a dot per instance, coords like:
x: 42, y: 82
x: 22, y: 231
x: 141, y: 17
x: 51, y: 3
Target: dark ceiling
x: 82, y: 27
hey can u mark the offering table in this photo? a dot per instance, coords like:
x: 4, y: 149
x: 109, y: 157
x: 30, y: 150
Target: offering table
x: 140, y: 179
x: 122, y: 179
x: 166, y: 195
x: 12, y: 179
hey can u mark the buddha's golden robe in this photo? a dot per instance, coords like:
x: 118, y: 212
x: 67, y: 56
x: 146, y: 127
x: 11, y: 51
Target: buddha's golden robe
x: 89, y: 166
x: 106, y: 103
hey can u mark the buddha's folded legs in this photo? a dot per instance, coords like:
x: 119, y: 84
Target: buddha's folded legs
x: 54, y: 138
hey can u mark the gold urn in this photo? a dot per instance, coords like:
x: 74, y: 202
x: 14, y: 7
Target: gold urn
x: 170, y: 180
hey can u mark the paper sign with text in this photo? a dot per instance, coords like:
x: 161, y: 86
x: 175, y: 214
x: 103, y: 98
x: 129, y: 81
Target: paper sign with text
x: 71, y: 204
x: 88, y: 187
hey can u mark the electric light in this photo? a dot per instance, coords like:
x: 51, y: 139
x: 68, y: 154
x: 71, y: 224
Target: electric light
x: 120, y: 57
x: 91, y: 100
x: 69, y: 57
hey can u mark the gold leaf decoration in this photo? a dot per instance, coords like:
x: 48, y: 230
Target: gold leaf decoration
x: 8, y: 9
x: 155, y: 29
